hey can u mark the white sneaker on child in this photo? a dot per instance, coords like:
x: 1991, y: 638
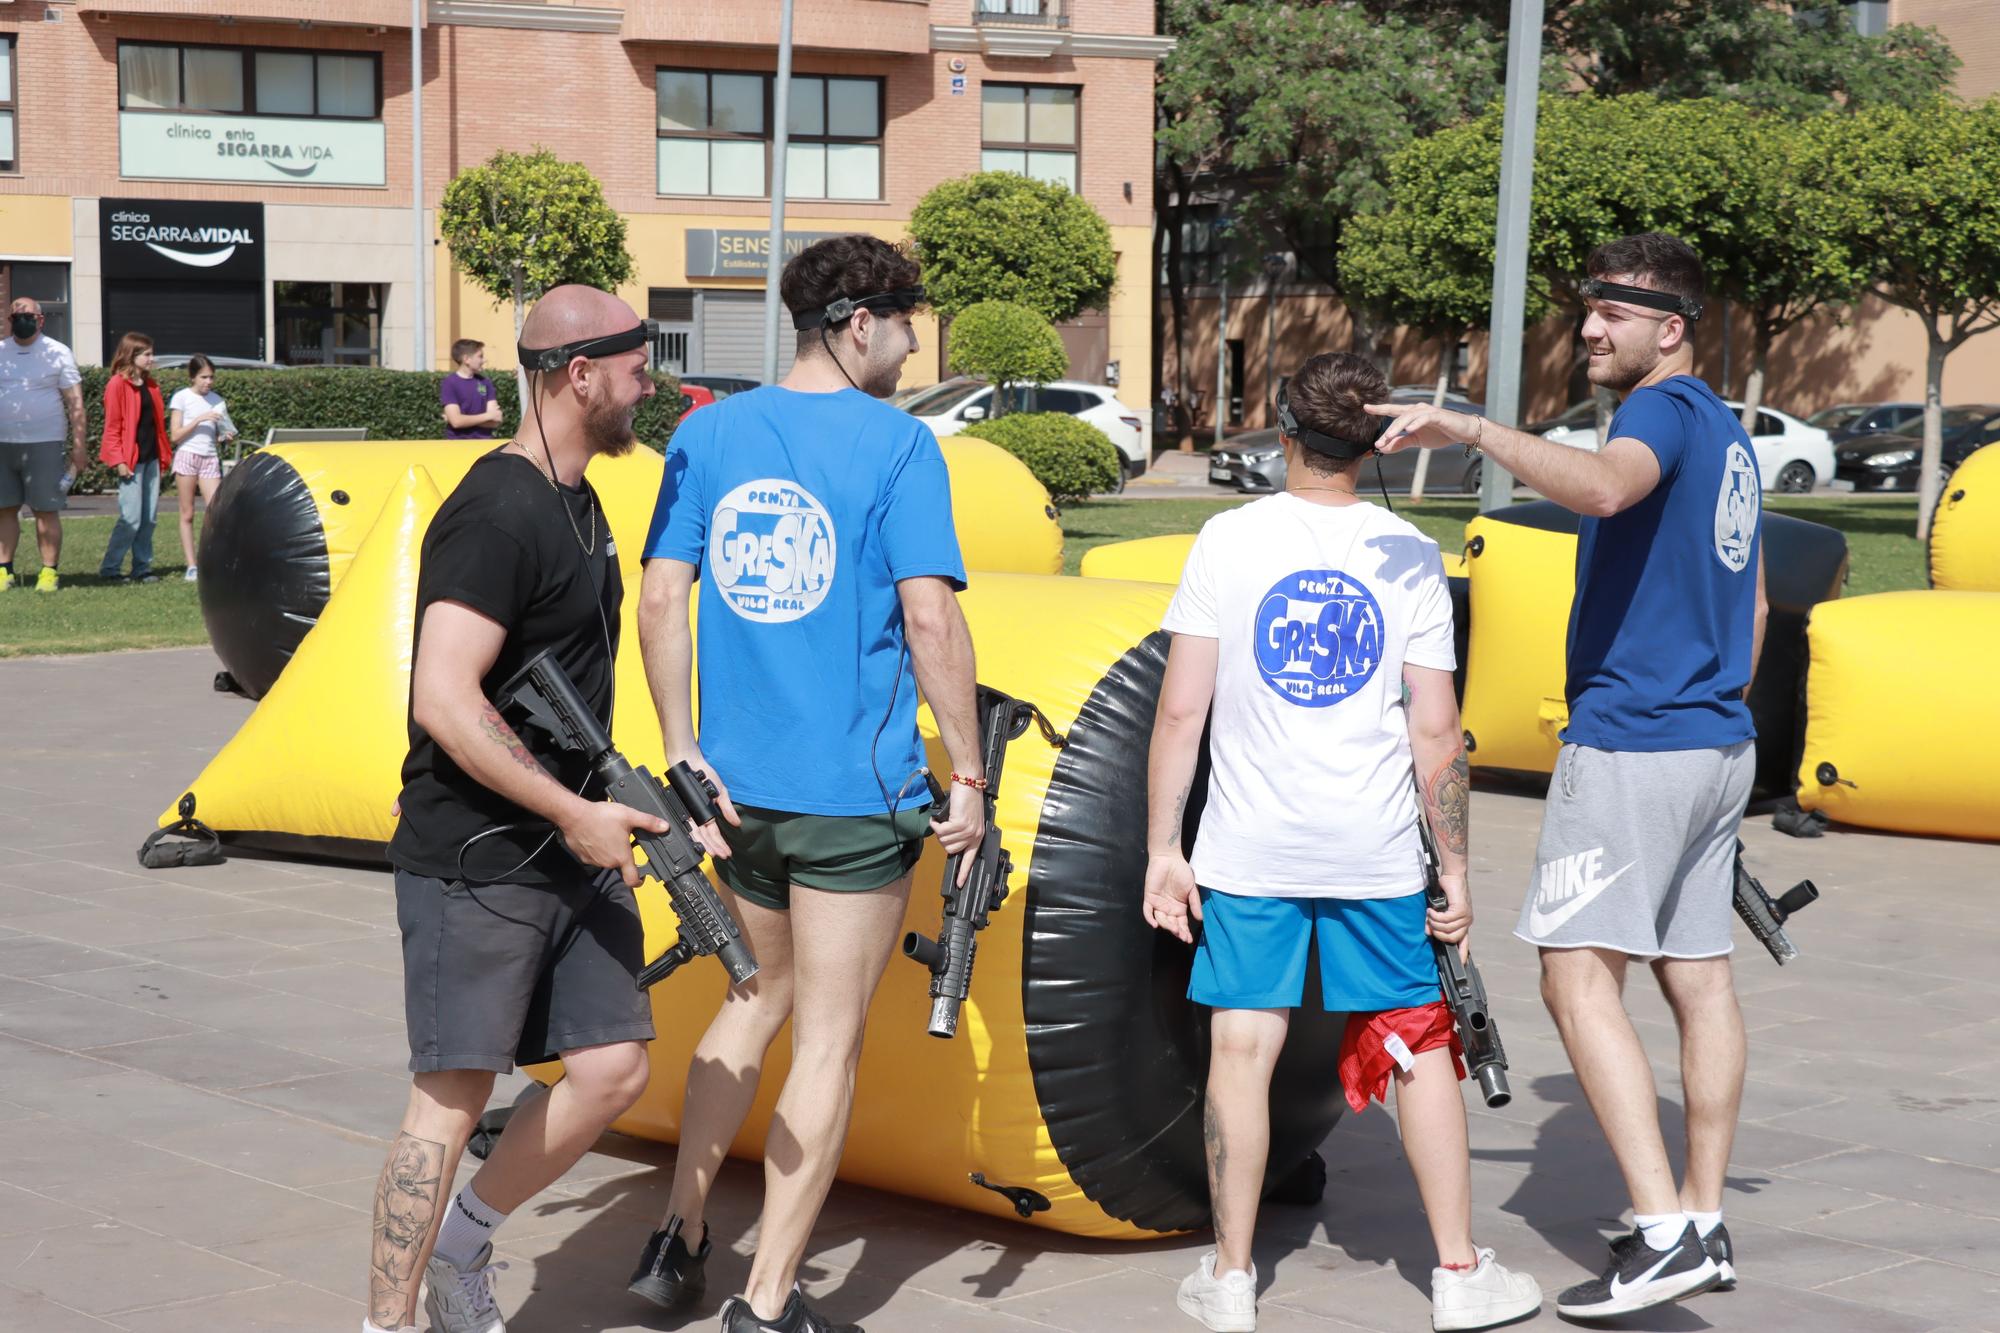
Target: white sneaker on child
x: 1226, y: 1303
x: 461, y: 1300
x: 1481, y: 1296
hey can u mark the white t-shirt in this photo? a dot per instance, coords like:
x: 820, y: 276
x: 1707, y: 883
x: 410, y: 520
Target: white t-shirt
x: 1315, y: 610
x: 191, y: 405
x: 32, y: 379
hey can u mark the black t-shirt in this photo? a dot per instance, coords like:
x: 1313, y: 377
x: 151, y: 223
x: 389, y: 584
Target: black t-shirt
x: 502, y: 546
x: 145, y: 431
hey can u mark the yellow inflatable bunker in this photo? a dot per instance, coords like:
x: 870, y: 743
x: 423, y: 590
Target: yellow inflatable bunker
x: 1148, y: 559
x: 1523, y: 579
x: 1075, y: 1081
x: 1965, y: 531
x: 1901, y: 713
x: 288, y: 520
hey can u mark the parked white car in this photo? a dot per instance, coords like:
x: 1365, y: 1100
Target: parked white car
x: 951, y: 406
x: 1792, y: 457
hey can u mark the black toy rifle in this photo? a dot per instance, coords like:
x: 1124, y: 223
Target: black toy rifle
x: 1464, y: 990
x: 1766, y: 916
x: 967, y: 905
x: 542, y: 691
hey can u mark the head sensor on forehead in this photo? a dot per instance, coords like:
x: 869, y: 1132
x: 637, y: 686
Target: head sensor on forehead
x: 1597, y: 289
x: 555, y: 358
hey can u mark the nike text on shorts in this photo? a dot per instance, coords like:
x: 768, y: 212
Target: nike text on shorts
x: 1638, y: 850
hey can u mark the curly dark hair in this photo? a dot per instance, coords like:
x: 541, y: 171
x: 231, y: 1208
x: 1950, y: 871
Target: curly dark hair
x: 1664, y: 263
x: 854, y: 265
x: 1326, y: 394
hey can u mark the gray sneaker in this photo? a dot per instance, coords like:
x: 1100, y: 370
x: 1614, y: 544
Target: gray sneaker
x: 461, y: 1300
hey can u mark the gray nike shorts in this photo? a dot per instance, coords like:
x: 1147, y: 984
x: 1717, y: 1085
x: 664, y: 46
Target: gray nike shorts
x: 1638, y: 851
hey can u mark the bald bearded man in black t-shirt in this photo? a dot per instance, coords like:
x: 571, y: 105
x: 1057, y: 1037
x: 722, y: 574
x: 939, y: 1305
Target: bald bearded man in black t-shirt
x: 521, y: 941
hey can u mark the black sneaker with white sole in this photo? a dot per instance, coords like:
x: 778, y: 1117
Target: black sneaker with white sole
x: 669, y: 1276
x: 796, y: 1317
x: 1719, y: 1249
x: 1640, y: 1277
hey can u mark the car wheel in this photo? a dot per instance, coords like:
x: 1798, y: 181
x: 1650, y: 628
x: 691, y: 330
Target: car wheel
x: 1469, y: 483
x: 1118, y: 487
x: 1795, y: 478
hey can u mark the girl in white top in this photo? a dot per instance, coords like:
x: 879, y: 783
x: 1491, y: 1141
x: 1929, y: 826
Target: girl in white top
x: 200, y: 422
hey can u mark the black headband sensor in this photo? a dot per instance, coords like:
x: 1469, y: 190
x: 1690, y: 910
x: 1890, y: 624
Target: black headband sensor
x: 1597, y: 289
x: 1333, y: 446
x: 555, y: 358
x: 842, y: 309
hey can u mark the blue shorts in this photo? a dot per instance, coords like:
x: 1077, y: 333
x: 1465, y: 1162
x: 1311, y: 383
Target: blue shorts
x: 1373, y: 953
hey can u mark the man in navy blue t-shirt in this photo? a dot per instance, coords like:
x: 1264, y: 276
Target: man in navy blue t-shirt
x: 817, y: 519
x: 1637, y: 852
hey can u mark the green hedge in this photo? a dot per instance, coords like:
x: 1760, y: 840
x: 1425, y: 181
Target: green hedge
x: 1069, y: 456
x: 392, y: 404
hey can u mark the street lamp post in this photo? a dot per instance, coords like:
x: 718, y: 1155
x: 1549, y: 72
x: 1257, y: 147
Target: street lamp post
x: 774, y: 263
x: 1510, y: 251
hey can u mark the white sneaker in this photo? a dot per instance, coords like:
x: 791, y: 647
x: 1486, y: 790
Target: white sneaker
x: 191, y: 576
x: 461, y: 1300
x: 1481, y: 1297
x: 1225, y: 1304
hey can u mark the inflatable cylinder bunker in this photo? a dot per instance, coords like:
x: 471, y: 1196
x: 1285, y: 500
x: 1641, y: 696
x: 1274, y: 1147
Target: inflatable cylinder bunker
x: 1523, y: 578
x: 1901, y: 713
x: 1965, y: 530
x: 1161, y: 560
x: 1077, y: 1073
x: 288, y: 520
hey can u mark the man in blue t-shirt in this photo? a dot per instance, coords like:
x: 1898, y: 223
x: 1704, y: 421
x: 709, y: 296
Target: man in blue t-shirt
x: 1639, y: 835
x: 818, y: 520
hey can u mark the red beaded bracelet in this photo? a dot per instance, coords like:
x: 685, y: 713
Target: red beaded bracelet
x: 977, y: 784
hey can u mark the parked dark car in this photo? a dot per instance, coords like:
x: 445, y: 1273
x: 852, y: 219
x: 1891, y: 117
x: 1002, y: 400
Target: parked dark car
x: 1888, y: 460
x: 1844, y: 421
x: 1255, y: 462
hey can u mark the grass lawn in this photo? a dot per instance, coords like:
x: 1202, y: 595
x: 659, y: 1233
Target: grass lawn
x: 89, y: 615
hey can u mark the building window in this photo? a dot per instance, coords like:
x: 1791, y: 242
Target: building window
x: 48, y: 284
x: 1201, y: 245
x: 329, y: 323
x: 715, y: 135
x: 1030, y: 129
x: 8, y: 162
x: 232, y: 80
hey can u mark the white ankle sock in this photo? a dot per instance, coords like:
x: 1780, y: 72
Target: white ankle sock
x: 1661, y: 1229
x: 469, y: 1225
x: 1705, y: 1222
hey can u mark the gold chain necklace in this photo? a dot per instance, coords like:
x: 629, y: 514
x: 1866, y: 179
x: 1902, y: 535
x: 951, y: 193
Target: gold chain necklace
x: 589, y: 547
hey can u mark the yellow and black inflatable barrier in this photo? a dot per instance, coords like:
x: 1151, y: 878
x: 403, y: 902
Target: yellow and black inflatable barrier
x: 288, y: 521
x: 1901, y: 713
x: 1523, y: 579
x: 1965, y: 530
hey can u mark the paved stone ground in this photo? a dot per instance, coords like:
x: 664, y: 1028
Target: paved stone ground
x: 198, y: 1069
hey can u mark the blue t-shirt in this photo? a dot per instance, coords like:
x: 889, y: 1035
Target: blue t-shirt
x: 802, y: 511
x: 1666, y: 592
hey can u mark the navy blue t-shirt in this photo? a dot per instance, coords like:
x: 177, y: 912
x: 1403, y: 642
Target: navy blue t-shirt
x: 803, y: 510
x: 1666, y: 592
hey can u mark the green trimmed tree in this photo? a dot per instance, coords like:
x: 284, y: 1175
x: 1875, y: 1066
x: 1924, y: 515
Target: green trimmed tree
x: 998, y: 236
x: 520, y: 223
x: 1006, y: 343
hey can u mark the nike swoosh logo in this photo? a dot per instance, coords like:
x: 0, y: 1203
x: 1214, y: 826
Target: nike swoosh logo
x: 1620, y: 1287
x: 1540, y: 923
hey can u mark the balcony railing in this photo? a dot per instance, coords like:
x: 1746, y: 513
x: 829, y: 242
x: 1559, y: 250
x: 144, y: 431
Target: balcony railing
x: 1021, y: 13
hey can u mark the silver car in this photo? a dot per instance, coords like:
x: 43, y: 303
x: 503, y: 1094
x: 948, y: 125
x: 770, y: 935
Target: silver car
x: 1255, y: 462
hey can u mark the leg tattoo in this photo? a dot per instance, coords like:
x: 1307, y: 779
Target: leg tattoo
x: 406, y: 1203
x: 1218, y: 1159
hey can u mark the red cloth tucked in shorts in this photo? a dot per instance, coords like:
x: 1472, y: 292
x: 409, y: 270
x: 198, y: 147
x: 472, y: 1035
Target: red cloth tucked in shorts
x: 1365, y: 1062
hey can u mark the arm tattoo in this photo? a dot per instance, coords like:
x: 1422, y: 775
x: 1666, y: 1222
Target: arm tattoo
x: 1218, y: 1161
x: 1180, y: 808
x: 406, y: 1204
x: 1450, y: 795
x: 496, y: 730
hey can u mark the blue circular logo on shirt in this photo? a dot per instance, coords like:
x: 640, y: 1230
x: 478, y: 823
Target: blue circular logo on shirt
x: 1318, y: 637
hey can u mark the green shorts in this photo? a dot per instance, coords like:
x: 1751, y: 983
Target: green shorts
x: 775, y: 849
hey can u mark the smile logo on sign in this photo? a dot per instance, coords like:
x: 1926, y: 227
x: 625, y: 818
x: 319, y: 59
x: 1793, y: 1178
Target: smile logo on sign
x: 771, y: 551
x: 1318, y: 637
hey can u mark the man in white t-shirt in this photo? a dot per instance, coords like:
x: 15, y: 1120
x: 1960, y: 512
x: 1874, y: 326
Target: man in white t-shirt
x: 1312, y: 634
x: 41, y: 404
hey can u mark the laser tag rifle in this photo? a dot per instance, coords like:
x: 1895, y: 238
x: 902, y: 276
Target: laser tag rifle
x: 542, y: 691
x: 967, y: 906
x: 1765, y: 916
x: 1465, y: 990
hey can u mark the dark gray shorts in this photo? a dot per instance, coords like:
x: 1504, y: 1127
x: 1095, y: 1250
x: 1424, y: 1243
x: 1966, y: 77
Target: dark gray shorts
x: 498, y: 975
x: 30, y: 474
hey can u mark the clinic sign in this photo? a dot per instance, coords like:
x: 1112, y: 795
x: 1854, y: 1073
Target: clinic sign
x: 181, y: 238
x: 254, y: 150
x: 740, y: 254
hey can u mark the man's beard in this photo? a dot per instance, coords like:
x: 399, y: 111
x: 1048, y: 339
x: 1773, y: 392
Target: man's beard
x: 607, y: 428
x: 1621, y: 371
x: 879, y: 381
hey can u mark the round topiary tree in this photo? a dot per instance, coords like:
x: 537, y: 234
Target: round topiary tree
x: 998, y: 236
x: 1006, y: 343
x: 1070, y: 457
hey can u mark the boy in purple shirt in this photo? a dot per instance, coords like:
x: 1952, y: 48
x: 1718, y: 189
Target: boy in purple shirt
x: 471, y: 408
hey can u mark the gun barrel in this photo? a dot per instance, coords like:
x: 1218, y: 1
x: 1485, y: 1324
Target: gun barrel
x: 944, y: 1016
x: 1493, y: 1084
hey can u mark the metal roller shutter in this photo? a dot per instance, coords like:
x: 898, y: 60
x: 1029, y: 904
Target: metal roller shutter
x: 214, y: 318
x: 732, y: 335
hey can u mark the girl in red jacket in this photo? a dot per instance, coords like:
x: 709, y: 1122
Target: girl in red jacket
x: 135, y: 446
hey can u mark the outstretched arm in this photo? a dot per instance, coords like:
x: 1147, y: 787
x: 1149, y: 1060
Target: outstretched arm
x: 1600, y: 483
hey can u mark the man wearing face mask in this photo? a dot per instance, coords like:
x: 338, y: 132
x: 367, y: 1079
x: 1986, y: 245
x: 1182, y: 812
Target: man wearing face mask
x: 818, y: 520
x: 41, y: 404
x: 521, y: 940
x: 1639, y: 832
